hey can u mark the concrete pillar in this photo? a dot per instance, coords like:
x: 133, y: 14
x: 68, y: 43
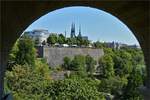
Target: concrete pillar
x: 1, y: 77
x: 147, y: 59
x: 145, y: 90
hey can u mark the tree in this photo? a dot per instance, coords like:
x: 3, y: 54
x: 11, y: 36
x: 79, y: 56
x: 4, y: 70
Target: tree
x: 79, y: 41
x: 52, y: 39
x: 135, y: 80
x: 75, y: 88
x: 26, y: 52
x: 99, y: 44
x: 78, y: 65
x: 109, y: 51
x: 12, y: 56
x: 106, y: 66
x: 74, y: 40
x: 137, y: 55
x: 26, y: 83
x: 114, y: 86
x: 122, y: 63
x: 71, y: 41
x: 61, y: 39
x: 67, y: 62
x: 86, y: 42
x: 90, y: 64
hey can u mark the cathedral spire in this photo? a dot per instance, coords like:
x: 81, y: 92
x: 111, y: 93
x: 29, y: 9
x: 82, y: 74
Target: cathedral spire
x: 65, y: 33
x: 73, y: 30
x: 79, y: 35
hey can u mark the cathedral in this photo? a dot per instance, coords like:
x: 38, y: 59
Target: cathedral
x: 73, y: 33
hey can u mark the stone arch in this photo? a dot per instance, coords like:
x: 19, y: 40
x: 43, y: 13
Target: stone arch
x: 17, y: 16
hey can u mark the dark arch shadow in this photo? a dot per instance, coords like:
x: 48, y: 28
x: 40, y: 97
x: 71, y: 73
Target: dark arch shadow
x: 27, y: 12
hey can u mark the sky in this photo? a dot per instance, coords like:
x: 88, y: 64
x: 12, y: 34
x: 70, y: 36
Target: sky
x: 98, y: 25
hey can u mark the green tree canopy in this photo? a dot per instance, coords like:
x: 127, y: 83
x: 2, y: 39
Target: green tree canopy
x: 122, y: 63
x: 75, y: 89
x: 26, y: 83
x: 67, y: 63
x: 61, y: 39
x: 137, y: 55
x: 26, y: 52
x: 106, y: 66
x: 90, y: 64
x: 78, y: 65
x: 71, y: 41
x: 99, y: 44
x: 12, y: 56
x: 52, y: 39
x: 135, y: 80
x: 85, y: 42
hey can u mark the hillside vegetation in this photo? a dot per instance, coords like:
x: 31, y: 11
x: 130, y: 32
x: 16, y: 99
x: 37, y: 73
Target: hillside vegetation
x: 118, y: 75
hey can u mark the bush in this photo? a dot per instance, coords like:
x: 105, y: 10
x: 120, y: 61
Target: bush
x: 75, y: 88
x: 26, y: 83
x: 26, y: 52
x: 135, y: 80
x: 113, y: 85
x: 90, y: 64
x: 106, y: 66
x: 67, y: 62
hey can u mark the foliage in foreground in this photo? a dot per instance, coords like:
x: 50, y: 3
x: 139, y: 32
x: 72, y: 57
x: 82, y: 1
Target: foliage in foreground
x: 26, y: 84
x: 131, y: 91
x: 22, y: 53
x: 75, y: 89
x: 121, y: 73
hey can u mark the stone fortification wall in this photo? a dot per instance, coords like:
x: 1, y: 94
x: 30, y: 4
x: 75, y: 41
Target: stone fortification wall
x: 55, y: 55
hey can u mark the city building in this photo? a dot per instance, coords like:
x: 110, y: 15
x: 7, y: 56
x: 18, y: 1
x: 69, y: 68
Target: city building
x: 116, y: 45
x: 134, y: 46
x: 38, y: 34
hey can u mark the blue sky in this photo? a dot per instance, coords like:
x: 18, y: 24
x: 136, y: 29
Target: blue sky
x: 96, y: 24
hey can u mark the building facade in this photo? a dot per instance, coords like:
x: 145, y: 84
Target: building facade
x: 38, y: 34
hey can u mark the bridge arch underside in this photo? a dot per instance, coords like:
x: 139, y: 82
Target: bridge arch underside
x: 17, y: 16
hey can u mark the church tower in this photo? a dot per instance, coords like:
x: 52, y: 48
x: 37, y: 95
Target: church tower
x: 72, y: 31
x: 65, y: 33
x: 79, y: 35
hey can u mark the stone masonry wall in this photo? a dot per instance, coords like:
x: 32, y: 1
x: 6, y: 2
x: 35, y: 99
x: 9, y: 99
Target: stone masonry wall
x: 55, y: 55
